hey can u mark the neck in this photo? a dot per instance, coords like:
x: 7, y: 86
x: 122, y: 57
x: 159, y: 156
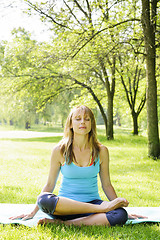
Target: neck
x: 81, y: 142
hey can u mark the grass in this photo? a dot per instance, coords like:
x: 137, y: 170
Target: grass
x: 24, y: 165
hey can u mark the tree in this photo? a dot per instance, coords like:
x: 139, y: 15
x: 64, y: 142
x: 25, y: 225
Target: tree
x: 149, y: 18
x: 98, y: 24
x: 84, y: 21
x: 32, y: 78
x: 30, y: 67
x: 131, y: 77
x: 87, y: 32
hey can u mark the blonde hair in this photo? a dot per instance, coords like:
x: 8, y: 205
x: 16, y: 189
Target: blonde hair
x: 67, y: 141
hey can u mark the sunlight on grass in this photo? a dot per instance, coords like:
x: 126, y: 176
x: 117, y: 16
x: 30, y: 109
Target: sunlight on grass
x: 24, y: 166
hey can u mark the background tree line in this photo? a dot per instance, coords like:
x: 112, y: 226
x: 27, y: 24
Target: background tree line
x: 102, y: 53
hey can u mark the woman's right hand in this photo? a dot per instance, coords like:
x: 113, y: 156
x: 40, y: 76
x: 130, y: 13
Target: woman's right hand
x: 23, y: 217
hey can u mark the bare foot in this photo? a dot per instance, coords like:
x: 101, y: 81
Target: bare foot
x: 45, y: 221
x: 114, y: 204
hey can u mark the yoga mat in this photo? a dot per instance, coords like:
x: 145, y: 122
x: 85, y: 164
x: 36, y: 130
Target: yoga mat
x: 8, y: 210
x: 153, y: 214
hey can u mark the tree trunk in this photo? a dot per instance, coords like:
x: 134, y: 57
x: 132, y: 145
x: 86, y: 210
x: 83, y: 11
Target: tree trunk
x: 110, y: 93
x: 106, y: 123
x: 149, y: 27
x: 110, y: 135
x: 27, y: 125
x: 101, y: 110
x: 96, y: 100
x: 110, y: 88
x: 135, y: 123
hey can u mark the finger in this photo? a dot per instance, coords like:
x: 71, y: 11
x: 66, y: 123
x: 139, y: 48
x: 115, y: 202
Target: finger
x: 126, y: 201
x: 16, y: 217
x: 135, y: 216
x: 139, y: 216
x: 132, y: 217
x: 26, y: 218
x: 125, y: 204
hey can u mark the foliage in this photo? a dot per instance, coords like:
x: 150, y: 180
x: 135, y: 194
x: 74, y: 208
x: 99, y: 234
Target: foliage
x: 30, y: 78
x: 88, y: 39
x: 30, y: 66
x: 89, y: 33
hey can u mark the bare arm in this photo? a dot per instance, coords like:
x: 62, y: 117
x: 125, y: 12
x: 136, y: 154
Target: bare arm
x: 106, y: 183
x: 105, y: 175
x: 55, y: 163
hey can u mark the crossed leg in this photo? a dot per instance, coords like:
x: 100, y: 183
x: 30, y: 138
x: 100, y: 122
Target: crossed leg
x: 50, y: 204
x: 95, y: 219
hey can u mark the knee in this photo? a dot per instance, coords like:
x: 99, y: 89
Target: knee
x: 117, y: 217
x: 42, y: 198
x: 42, y: 201
x: 47, y: 202
x: 123, y: 215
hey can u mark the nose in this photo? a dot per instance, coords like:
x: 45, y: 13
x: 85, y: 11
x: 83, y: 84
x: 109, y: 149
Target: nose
x: 82, y: 120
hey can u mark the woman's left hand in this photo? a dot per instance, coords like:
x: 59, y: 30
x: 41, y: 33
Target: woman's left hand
x: 136, y: 216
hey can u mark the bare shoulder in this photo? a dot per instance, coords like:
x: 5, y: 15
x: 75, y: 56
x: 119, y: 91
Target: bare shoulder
x: 57, y: 155
x: 103, y: 149
x: 103, y: 153
x: 56, y: 149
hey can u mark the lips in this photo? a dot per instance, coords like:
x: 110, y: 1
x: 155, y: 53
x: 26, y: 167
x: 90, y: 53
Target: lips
x: 82, y: 128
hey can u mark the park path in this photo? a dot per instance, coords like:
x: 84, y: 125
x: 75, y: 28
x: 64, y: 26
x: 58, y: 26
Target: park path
x: 27, y: 134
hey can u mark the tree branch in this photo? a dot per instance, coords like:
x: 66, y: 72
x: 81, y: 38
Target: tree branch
x: 106, y: 16
x: 81, y: 9
x: 39, y: 10
x: 102, y: 30
x: 94, y: 97
x: 73, y: 13
x: 142, y: 103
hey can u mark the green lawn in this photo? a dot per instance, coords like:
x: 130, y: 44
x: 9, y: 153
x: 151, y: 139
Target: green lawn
x: 24, y: 165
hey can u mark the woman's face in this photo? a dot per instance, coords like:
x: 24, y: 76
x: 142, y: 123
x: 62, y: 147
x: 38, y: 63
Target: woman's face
x: 81, y: 122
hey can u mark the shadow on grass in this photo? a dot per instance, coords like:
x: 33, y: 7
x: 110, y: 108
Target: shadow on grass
x: 47, y: 129
x: 119, y: 139
x: 122, y: 138
x: 38, y: 139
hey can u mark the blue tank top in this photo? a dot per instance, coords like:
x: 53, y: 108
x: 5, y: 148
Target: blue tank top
x: 80, y: 183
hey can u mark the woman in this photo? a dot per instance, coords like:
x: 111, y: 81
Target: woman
x: 80, y: 157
